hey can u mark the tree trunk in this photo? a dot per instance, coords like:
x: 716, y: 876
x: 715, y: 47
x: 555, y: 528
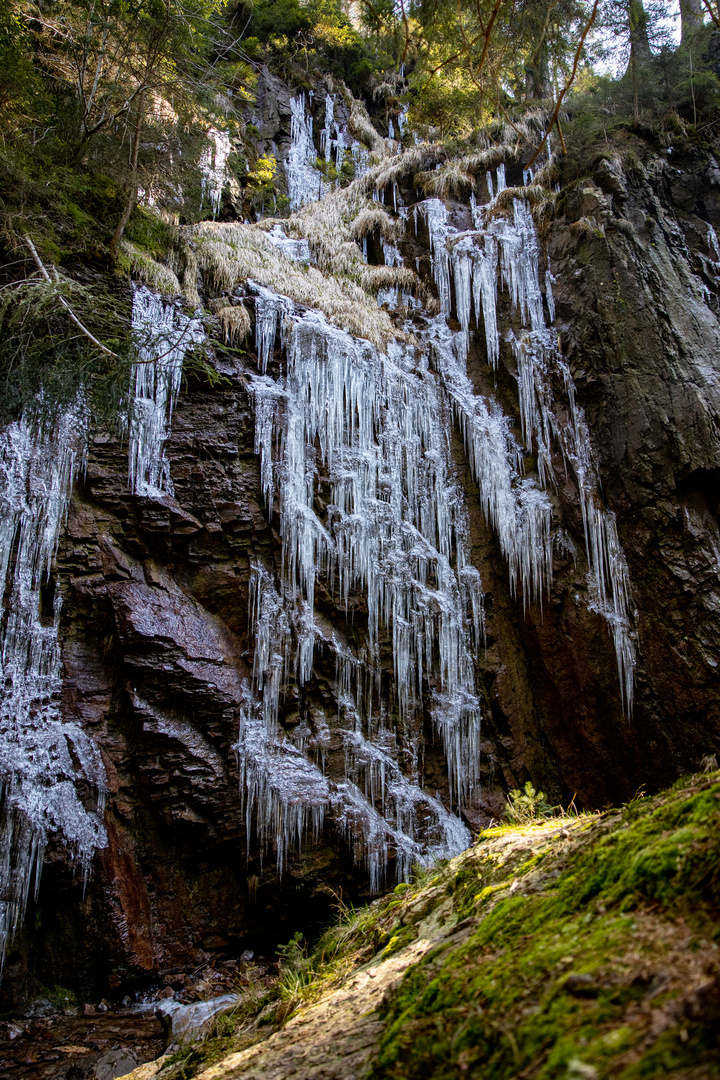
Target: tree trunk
x: 691, y: 13
x: 538, y: 85
x: 134, y: 183
x: 639, y: 37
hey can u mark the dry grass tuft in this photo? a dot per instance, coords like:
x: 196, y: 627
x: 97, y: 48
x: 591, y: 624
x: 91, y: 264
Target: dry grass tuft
x: 441, y: 183
x: 362, y: 128
x: 408, y: 163
x: 228, y: 254
x: 235, y: 323
x: 375, y: 278
x: 374, y: 217
x: 534, y: 194
x: 157, y: 276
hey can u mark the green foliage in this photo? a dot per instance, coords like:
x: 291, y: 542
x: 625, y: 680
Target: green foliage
x: 260, y: 182
x: 266, y: 19
x: 20, y: 88
x: 315, y: 36
x: 151, y: 233
x: 527, y: 805
x: 46, y: 361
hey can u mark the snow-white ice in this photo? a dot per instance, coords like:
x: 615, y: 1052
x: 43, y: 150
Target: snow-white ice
x: 42, y: 755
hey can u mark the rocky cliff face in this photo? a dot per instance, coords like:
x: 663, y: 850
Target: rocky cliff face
x: 156, y: 623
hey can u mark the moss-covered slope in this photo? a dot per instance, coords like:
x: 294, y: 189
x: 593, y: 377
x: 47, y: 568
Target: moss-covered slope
x: 582, y: 947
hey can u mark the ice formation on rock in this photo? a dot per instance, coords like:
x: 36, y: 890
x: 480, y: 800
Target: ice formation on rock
x: 371, y: 431
x: 503, y: 253
x: 213, y: 167
x: 163, y: 335
x: 355, y: 462
x: 42, y: 757
x: 305, y: 181
x: 296, y: 250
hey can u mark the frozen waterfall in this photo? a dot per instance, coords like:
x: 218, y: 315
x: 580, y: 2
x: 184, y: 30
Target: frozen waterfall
x: 42, y: 756
x: 503, y: 254
x: 372, y: 432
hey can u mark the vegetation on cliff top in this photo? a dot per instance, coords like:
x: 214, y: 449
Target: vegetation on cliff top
x: 98, y: 95
x: 584, y: 947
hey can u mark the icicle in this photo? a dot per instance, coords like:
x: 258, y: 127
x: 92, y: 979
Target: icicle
x: 213, y: 166
x: 713, y: 244
x: 163, y: 335
x: 549, y: 298
x: 361, y: 158
x: 41, y: 757
x: 391, y: 253
x: 269, y: 308
x: 436, y: 214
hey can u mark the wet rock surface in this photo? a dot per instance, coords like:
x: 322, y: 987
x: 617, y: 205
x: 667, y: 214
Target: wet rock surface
x: 101, y: 1046
x: 103, y: 1041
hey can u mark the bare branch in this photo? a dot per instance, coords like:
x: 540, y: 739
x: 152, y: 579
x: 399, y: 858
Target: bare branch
x: 715, y: 18
x: 63, y: 301
x: 568, y: 84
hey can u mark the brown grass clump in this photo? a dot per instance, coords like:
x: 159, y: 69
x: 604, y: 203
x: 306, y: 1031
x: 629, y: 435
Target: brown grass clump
x: 229, y: 254
x: 235, y: 323
x: 441, y: 183
x: 534, y: 194
x: 361, y: 127
x: 155, y: 275
x: 369, y: 219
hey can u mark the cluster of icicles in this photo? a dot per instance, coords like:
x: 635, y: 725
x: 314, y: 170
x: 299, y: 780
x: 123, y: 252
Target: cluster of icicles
x: 370, y: 432
x: 163, y: 335
x: 42, y: 756
x: 504, y: 252
x: 365, y: 436
x: 306, y: 182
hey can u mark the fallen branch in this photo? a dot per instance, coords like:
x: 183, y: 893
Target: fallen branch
x: 63, y: 301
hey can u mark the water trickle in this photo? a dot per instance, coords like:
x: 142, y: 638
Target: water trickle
x: 42, y: 756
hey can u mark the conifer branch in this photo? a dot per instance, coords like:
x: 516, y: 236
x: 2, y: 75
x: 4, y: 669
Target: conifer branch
x: 41, y: 267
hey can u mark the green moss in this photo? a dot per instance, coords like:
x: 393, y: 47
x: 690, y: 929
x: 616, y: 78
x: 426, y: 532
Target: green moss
x: 554, y: 982
x: 151, y: 233
x: 400, y: 940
